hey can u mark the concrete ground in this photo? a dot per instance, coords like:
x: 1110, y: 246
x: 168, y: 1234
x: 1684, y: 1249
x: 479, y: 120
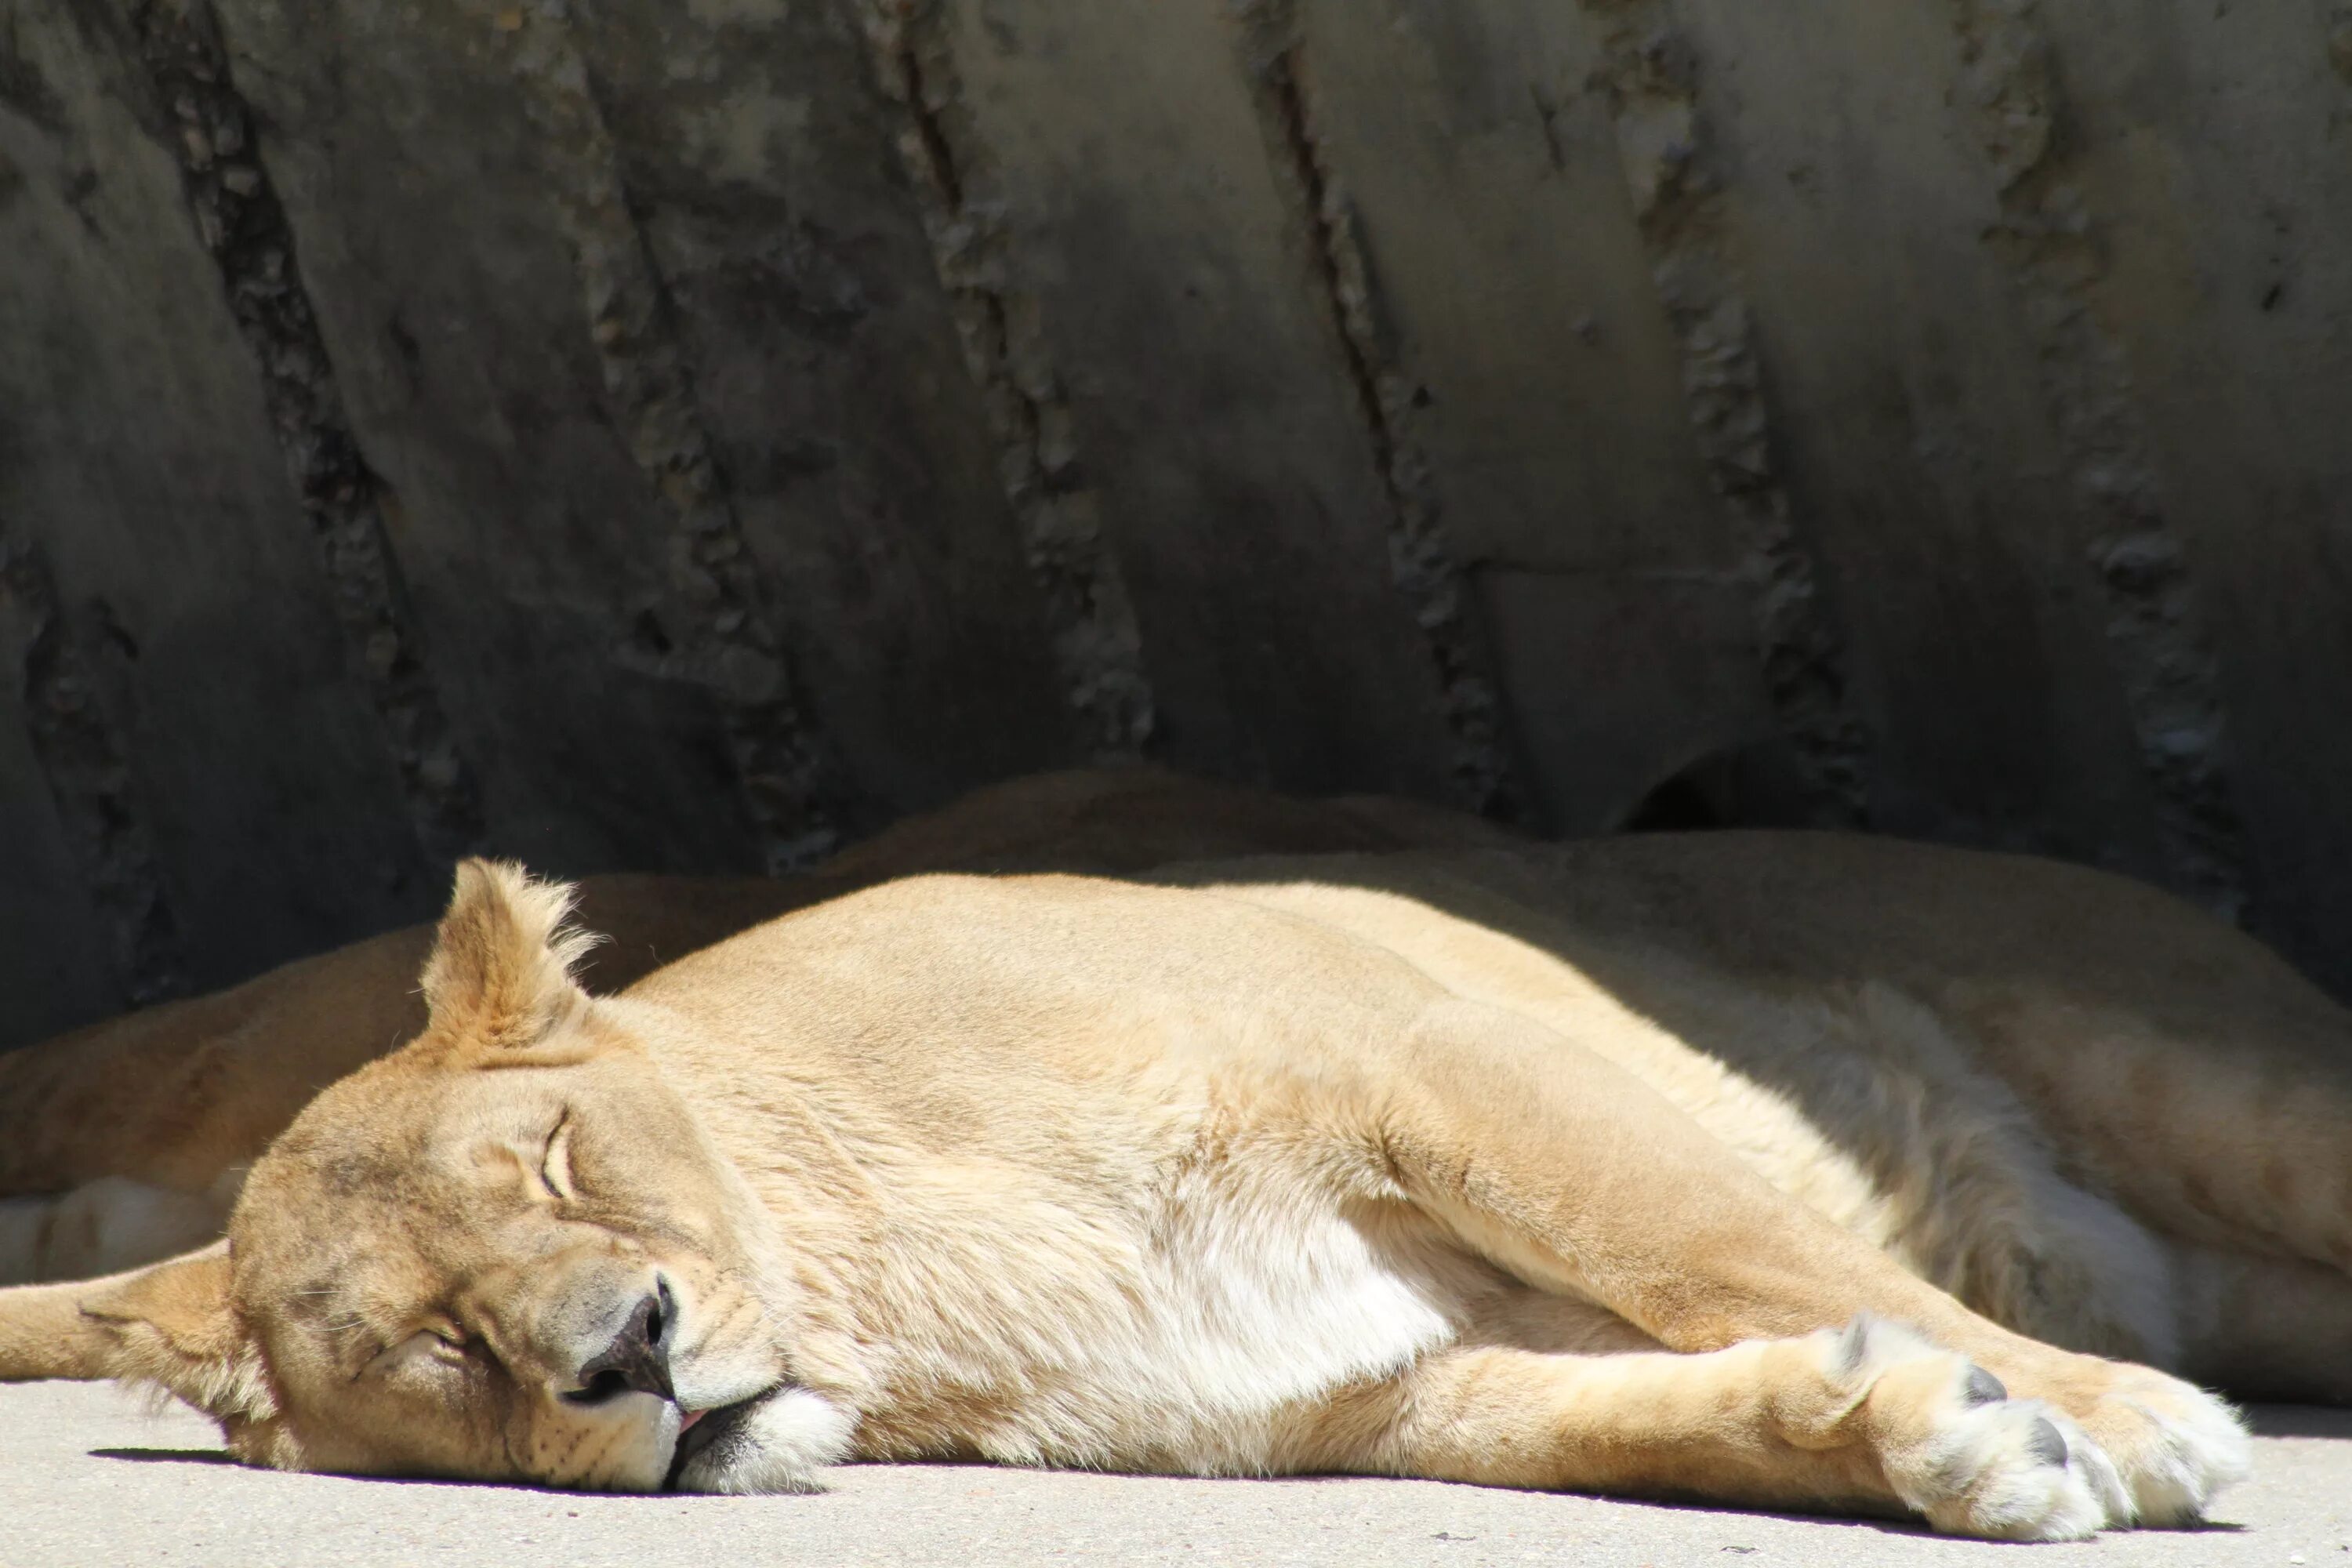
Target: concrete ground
x: 88, y: 1476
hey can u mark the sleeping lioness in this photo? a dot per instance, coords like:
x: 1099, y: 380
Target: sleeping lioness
x: 1764, y: 1168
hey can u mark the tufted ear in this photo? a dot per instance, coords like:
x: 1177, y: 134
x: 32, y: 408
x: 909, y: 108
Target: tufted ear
x: 172, y: 1325
x: 500, y: 973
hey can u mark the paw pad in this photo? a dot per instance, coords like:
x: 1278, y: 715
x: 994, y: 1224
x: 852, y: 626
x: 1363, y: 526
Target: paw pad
x: 1984, y: 1388
x: 2046, y: 1443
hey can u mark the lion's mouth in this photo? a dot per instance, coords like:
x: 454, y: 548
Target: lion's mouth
x: 703, y: 1429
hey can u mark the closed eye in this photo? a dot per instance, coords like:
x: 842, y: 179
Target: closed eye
x: 444, y: 1345
x: 555, y: 1165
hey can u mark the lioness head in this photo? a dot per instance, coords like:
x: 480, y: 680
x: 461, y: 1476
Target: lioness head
x: 507, y: 1251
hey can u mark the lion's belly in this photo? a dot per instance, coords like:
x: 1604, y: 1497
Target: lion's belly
x: 1202, y: 1335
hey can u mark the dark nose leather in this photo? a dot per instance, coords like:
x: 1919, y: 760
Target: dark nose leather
x: 638, y: 1357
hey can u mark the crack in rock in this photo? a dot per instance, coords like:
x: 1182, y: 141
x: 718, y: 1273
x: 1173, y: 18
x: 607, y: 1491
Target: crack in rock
x: 209, y: 129
x: 1423, y: 564
x: 733, y: 646
x: 1650, y: 79
x: 2156, y: 631
x: 1097, y: 647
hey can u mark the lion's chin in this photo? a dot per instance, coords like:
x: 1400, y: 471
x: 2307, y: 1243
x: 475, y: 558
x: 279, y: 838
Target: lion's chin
x: 776, y: 1441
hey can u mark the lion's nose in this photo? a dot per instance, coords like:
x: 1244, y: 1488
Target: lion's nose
x: 638, y: 1358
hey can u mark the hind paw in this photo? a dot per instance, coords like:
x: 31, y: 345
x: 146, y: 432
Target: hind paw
x: 1961, y: 1451
x: 2174, y: 1445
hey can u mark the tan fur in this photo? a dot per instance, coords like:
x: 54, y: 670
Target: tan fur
x: 125, y: 1142
x: 1784, y: 1169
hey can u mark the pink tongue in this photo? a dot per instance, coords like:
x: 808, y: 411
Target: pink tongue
x: 691, y: 1417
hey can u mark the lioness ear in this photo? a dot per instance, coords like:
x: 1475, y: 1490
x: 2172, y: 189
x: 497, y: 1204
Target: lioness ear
x: 172, y: 1325
x: 500, y: 973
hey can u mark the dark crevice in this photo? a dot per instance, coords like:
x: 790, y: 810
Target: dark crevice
x: 1756, y: 785
x: 1681, y: 805
x: 939, y: 158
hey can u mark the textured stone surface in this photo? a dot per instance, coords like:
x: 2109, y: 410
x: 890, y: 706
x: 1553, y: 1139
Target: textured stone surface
x: 208, y: 760
x: 686, y: 435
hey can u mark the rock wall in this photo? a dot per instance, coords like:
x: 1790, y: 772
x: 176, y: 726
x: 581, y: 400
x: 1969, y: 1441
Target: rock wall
x: 686, y: 433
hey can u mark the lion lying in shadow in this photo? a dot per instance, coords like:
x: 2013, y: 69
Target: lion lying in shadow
x: 1785, y: 1169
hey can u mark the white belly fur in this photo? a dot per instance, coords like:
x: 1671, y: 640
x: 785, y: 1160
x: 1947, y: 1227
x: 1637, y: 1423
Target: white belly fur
x: 1192, y: 1337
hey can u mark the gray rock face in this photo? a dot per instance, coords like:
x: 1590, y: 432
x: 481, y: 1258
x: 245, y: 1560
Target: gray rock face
x: 686, y: 436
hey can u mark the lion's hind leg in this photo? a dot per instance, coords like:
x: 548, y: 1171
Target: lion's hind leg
x: 1869, y: 1419
x: 1577, y: 1178
x: 2214, y: 1103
